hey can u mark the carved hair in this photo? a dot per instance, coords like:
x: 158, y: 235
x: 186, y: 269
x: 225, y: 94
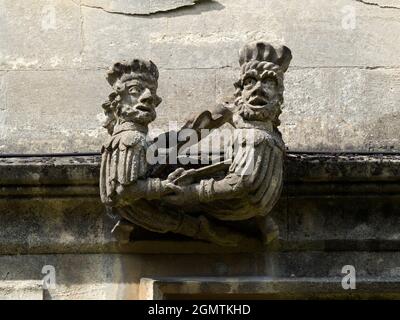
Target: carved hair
x: 261, y: 56
x: 275, y: 72
x: 137, y: 68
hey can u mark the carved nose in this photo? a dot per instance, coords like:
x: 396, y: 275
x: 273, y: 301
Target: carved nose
x: 146, y: 97
x: 258, y: 88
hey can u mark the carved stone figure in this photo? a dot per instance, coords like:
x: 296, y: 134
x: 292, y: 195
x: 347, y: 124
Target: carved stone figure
x: 213, y: 202
x: 125, y: 186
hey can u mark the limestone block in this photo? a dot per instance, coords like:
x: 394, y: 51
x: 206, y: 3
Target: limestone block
x: 207, y: 35
x: 110, y: 37
x: 335, y: 108
x: 39, y: 34
x: 142, y: 7
x: 184, y: 93
x: 21, y: 290
x: 116, y: 276
x: 56, y: 112
x: 36, y: 224
x: 339, y: 108
x: 3, y: 100
x: 341, y: 90
x: 342, y: 108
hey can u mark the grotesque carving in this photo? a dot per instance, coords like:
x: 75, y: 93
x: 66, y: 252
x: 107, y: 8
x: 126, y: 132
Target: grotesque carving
x: 213, y: 202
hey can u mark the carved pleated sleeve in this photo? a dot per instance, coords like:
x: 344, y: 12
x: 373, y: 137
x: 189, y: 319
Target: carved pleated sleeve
x: 123, y: 161
x: 259, y: 170
x: 254, y: 182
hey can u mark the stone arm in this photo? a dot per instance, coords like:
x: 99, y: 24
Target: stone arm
x: 123, y: 173
x: 231, y: 187
x: 149, y: 189
x: 247, y: 172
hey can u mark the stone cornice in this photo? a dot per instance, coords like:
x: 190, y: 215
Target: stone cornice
x: 330, y: 202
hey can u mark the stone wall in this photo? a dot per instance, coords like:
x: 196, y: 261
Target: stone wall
x: 52, y: 205
x: 343, y: 87
x: 335, y: 210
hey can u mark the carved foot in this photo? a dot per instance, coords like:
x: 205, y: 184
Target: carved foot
x: 122, y: 231
x: 218, y: 234
x: 268, y: 228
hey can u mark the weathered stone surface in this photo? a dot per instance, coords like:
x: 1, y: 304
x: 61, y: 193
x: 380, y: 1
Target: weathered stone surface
x: 265, y: 288
x: 68, y: 119
x: 319, y: 30
x: 39, y: 35
x: 3, y: 104
x: 102, y: 46
x: 330, y: 102
x: 337, y: 210
x: 21, y: 290
x: 143, y: 7
x: 181, y: 96
x: 115, y: 276
x: 191, y: 40
x: 384, y: 4
x: 349, y: 108
x: 329, y: 202
x: 59, y: 113
x: 333, y: 102
x: 359, y: 64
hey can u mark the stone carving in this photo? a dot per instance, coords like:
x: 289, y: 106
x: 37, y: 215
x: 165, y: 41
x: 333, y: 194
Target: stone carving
x: 215, y: 202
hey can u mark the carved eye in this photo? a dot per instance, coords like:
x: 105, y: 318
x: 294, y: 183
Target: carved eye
x: 249, y: 81
x: 269, y: 81
x: 135, y: 90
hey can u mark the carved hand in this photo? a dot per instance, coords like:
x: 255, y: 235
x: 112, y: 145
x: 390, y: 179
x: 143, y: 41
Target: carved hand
x: 185, y: 195
x: 176, y: 174
x: 168, y: 187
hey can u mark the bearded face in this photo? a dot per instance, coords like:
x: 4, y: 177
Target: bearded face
x: 260, y: 96
x: 138, y: 102
x: 259, y: 89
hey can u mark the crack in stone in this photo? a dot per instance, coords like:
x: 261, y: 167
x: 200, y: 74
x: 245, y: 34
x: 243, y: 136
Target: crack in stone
x: 378, y: 5
x: 172, y: 9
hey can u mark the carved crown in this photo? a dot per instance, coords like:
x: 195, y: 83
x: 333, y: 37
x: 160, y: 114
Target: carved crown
x: 124, y: 71
x: 264, y: 52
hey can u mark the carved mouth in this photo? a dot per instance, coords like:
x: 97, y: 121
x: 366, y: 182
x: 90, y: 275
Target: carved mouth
x: 257, y: 101
x: 144, y: 108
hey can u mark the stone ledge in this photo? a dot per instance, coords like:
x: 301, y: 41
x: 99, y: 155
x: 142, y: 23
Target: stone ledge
x: 330, y: 202
x: 266, y: 288
x: 21, y: 290
x: 300, y: 167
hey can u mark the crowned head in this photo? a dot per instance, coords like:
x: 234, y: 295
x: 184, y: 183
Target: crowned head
x: 134, y: 97
x: 259, y: 91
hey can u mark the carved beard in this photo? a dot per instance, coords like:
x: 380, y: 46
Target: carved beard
x: 267, y: 112
x: 135, y: 114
